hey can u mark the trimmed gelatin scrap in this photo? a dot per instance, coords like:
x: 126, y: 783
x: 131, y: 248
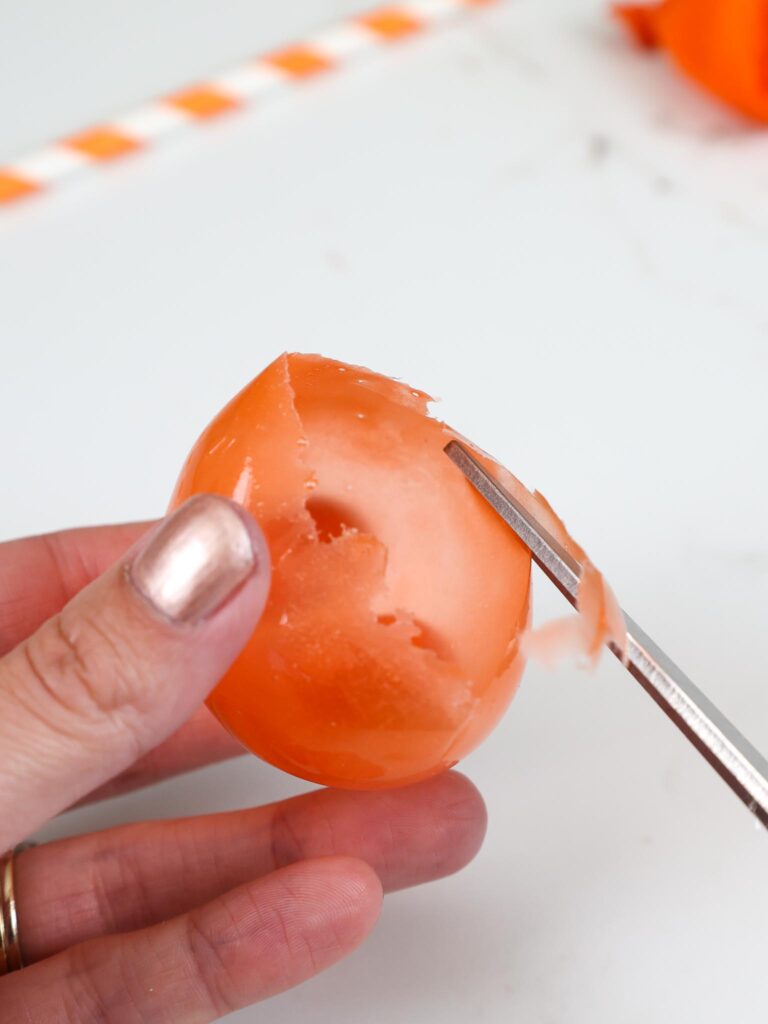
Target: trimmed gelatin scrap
x: 392, y: 639
x: 721, y: 44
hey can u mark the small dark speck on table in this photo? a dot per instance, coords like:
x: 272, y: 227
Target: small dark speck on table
x: 663, y: 185
x: 599, y: 148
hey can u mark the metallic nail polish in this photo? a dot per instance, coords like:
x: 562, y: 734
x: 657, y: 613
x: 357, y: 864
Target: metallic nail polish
x: 195, y: 561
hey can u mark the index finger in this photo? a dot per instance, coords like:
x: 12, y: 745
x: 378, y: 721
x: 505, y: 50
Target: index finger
x: 127, y: 660
x: 39, y: 575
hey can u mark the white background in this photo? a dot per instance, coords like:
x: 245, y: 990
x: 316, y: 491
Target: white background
x: 567, y: 243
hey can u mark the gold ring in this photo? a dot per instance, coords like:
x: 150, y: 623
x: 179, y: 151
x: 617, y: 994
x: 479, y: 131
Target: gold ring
x: 10, y: 947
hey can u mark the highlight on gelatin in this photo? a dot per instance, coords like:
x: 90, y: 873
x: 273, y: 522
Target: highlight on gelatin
x: 721, y: 44
x: 392, y: 639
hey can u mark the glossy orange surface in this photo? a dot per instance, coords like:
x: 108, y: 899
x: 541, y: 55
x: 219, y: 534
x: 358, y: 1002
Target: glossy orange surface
x: 721, y: 44
x: 390, y: 645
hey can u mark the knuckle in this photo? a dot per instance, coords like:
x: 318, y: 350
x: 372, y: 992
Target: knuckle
x: 121, y: 898
x: 80, y: 999
x: 80, y: 673
x: 285, y: 845
x: 105, y: 982
x: 205, y: 947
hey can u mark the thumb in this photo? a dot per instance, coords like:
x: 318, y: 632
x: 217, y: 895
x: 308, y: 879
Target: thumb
x: 128, y: 660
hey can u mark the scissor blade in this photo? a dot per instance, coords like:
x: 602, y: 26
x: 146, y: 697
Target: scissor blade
x: 730, y: 754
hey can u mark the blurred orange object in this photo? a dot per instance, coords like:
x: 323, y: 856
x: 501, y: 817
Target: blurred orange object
x: 721, y: 44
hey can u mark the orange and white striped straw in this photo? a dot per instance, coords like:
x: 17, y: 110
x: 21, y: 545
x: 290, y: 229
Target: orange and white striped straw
x: 256, y: 80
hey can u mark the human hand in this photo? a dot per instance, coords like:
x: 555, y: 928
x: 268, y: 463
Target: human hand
x: 102, y: 674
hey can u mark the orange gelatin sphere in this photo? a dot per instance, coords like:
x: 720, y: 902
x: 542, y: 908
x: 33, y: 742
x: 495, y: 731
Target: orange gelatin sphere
x: 389, y: 647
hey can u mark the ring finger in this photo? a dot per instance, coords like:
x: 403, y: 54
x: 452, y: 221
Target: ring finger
x: 133, y: 876
x: 247, y: 944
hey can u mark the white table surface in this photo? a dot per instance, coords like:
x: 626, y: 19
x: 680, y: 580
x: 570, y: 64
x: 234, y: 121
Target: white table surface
x: 568, y: 244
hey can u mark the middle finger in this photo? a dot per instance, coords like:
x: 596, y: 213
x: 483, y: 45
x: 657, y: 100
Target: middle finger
x: 135, y: 875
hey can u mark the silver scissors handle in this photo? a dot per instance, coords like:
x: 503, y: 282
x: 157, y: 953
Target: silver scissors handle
x: 730, y: 754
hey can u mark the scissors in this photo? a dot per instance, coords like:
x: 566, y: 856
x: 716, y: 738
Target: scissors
x: 742, y: 767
